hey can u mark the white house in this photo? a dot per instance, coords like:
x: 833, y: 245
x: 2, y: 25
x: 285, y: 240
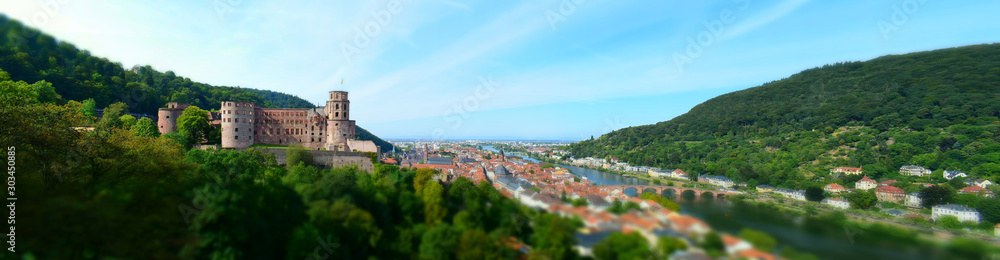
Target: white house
x: 953, y: 174
x: 963, y: 213
x: 837, y: 203
x: 865, y: 184
x: 913, y: 170
x: 913, y: 200
x: 679, y: 174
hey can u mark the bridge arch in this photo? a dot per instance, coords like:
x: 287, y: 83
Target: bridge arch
x: 631, y: 190
x: 668, y: 193
x: 689, y: 194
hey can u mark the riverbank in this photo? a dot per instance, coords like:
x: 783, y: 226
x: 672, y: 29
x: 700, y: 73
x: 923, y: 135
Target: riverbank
x: 859, y: 228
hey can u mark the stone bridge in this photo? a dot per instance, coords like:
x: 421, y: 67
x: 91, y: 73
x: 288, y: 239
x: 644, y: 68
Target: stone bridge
x: 661, y: 190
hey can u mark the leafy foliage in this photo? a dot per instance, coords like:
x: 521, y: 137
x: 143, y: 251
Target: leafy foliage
x: 861, y: 199
x: 760, y: 240
x: 936, y: 109
x: 935, y: 195
x: 121, y: 194
x: 622, y: 246
x: 814, y: 194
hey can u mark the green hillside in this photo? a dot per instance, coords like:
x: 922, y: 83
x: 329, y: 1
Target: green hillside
x: 362, y: 134
x: 31, y: 56
x: 937, y: 109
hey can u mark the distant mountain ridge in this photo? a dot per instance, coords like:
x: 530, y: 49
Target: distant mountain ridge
x: 949, y: 97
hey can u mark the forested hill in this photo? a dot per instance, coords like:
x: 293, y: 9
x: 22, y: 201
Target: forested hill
x: 282, y: 100
x: 937, y: 108
x: 31, y: 56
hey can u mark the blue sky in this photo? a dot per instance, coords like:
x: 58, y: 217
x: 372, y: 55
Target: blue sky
x: 504, y: 69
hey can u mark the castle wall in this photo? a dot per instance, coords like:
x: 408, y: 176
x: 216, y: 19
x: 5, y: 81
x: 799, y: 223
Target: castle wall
x: 330, y: 159
x: 237, y: 124
x: 290, y: 126
x: 362, y: 146
x: 244, y: 124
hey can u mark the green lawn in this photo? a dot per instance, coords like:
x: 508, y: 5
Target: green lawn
x: 269, y: 146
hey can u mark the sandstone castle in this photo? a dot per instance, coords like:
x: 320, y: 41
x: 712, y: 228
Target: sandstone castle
x: 244, y: 124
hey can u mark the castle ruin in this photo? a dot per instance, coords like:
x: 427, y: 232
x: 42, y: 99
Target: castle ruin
x: 244, y: 124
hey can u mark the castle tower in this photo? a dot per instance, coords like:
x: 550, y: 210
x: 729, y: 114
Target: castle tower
x: 167, y: 117
x: 340, y: 127
x: 237, y: 124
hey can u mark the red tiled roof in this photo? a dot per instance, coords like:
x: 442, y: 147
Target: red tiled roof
x: 974, y: 189
x: 889, y: 189
x: 730, y: 241
x: 834, y: 186
x: 755, y: 254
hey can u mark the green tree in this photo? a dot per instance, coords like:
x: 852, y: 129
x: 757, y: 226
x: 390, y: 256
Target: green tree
x: 439, y: 242
x: 668, y: 245
x: 949, y: 222
x: 935, y: 195
x: 989, y: 210
x: 622, y: 246
x: 476, y: 244
x: 112, y: 116
x: 193, y: 123
x: 296, y: 154
x: 861, y: 199
x: 554, y: 237
x: 434, y: 204
x: 237, y: 222
x: 423, y: 175
x: 128, y: 121
x: 90, y: 109
x: 814, y: 194
x: 760, y: 240
x: 145, y: 127
x: 713, y: 245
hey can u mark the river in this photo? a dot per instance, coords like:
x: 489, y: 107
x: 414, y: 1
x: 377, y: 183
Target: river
x: 825, y: 240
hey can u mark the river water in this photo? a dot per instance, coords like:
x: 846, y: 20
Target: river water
x: 825, y: 240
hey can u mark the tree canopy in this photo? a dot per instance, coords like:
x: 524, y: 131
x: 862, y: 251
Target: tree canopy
x: 937, y: 109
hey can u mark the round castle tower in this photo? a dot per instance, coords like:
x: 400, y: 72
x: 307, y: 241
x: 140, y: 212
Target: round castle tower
x: 237, y: 124
x: 167, y: 117
x: 340, y: 127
